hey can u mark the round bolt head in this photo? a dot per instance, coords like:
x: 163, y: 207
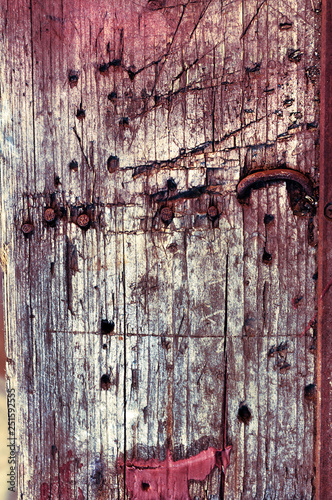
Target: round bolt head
x: 212, y: 212
x: 49, y: 215
x: 328, y: 211
x: 83, y: 220
x: 27, y: 228
x: 166, y: 215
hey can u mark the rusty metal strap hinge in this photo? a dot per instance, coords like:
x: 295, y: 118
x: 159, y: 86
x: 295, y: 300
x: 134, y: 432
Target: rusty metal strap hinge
x: 278, y: 174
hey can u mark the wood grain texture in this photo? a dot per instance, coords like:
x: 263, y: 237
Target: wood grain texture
x: 159, y: 104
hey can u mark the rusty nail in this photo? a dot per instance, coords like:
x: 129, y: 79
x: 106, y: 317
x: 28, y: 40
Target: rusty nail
x: 27, y: 228
x: 328, y: 211
x: 166, y: 215
x: 83, y: 220
x: 49, y: 215
x: 276, y: 174
x: 212, y: 213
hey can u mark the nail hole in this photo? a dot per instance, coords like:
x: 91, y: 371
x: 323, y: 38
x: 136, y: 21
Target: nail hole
x: 73, y: 78
x: 113, y: 95
x: 267, y: 257
x: 244, y: 414
x: 285, y: 26
x: 145, y: 486
x: 171, y: 184
x: 105, y: 382
x: 73, y: 165
x: 113, y: 164
x: 310, y: 392
x: 294, y: 55
x: 124, y: 121
x: 80, y: 114
x: 212, y: 213
x: 107, y: 326
x: 104, y: 67
x: 268, y: 218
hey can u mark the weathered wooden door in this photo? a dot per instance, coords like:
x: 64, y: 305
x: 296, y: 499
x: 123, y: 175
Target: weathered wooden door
x: 154, y: 319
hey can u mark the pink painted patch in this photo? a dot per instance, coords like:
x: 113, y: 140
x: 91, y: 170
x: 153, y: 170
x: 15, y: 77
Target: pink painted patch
x: 152, y: 480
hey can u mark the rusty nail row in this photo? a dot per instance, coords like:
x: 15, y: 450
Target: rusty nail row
x: 83, y: 220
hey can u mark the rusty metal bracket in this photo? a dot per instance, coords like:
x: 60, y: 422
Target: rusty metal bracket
x: 278, y: 174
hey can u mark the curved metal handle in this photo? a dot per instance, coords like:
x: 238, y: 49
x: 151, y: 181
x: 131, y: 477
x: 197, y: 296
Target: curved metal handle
x: 277, y: 174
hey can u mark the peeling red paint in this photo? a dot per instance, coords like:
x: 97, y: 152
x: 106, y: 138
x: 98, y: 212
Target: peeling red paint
x: 60, y: 486
x: 153, y: 480
x: 80, y: 495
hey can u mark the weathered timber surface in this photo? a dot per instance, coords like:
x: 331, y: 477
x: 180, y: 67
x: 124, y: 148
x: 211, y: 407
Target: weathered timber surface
x: 324, y: 338
x: 117, y: 110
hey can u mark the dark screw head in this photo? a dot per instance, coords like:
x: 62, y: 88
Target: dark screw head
x: 166, y: 215
x: 328, y: 211
x: 212, y: 213
x: 49, y: 215
x: 27, y: 228
x: 83, y: 220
